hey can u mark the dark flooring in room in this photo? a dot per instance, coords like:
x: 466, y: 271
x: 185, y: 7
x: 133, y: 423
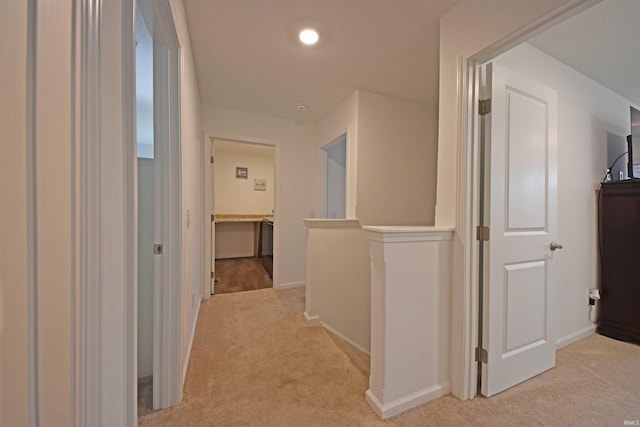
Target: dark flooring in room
x: 241, y: 274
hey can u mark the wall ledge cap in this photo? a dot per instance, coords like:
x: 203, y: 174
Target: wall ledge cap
x: 408, y: 233
x: 331, y: 223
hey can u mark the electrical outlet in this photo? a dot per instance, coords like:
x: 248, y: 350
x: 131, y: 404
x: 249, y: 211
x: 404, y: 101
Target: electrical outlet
x: 594, y: 295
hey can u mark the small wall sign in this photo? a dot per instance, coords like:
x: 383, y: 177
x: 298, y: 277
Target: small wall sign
x: 242, y: 173
x: 260, y: 184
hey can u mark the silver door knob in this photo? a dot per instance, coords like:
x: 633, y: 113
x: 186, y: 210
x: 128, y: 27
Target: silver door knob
x: 553, y: 246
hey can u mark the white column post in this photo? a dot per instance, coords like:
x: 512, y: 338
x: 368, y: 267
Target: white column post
x: 410, y: 274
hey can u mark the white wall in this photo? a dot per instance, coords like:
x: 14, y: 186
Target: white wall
x: 339, y: 279
x: 146, y: 224
x: 391, y: 158
x: 587, y: 111
x: 191, y: 136
x: 234, y: 239
x: 294, y: 176
x: 469, y: 26
x: 14, y: 318
x: 237, y: 195
x: 396, y: 177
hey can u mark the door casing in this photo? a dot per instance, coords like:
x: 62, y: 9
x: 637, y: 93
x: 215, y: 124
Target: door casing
x: 468, y: 177
x: 276, y: 214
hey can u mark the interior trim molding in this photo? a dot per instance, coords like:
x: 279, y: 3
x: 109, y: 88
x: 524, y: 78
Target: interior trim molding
x: 90, y: 216
x: 108, y: 281
x: 407, y: 402
x: 575, y: 336
x: 343, y: 337
x: 185, y: 365
x: 331, y: 222
x: 32, y: 250
x: 487, y: 47
x: 289, y: 285
x: 311, y: 320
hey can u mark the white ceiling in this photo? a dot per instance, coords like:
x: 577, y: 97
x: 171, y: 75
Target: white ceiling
x: 602, y: 43
x: 246, y: 148
x: 247, y: 56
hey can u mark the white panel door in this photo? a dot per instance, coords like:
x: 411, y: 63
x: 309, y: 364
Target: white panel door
x: 522, y: 210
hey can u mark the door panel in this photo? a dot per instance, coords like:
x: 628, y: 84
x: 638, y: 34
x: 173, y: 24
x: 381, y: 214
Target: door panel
x: 518, y: 290
x: 526, y: 162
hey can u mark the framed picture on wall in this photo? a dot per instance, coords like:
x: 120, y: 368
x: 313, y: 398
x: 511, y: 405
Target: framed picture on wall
x: 260, y: 184
x: 242, y: 173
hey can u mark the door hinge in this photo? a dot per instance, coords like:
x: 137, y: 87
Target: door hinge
x: 484, y: 106
x: 213, y: 275
x: 482, y: 233
x: 211, y: 159
x: 481, y: 355
x: 213, y: 218
x: 157, y: 249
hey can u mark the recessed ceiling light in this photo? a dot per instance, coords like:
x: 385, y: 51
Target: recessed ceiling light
x: 301, y: 107
x: 309, y: 36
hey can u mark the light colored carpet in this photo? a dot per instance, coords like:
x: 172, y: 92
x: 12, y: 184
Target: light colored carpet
x: 256, y: 363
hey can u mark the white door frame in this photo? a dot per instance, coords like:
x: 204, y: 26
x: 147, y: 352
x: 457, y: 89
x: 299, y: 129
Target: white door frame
x: 207, y: 209
x: 469, y: 166
x: 277, y: 192
x: 107, y: 218
x: 107, y: 313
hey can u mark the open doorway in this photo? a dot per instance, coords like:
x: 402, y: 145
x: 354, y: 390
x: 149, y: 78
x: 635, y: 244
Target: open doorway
x: 158, y: 207
x: 146, y: 190
x: 243, y: 200
x: 591, y: 112
x: 335, y: 178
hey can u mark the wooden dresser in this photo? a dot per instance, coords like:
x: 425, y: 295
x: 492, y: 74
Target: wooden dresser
x: 619, y: 217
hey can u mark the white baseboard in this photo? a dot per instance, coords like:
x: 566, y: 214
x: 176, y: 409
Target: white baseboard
x: 350, y: 341
x: 311, y: 320
x: 407, y: 402
x: 289, y: 285
x: 185, y: 364
x: 575, y: 336
x: 245, y: 254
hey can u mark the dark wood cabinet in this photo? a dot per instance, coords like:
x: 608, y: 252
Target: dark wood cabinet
x: 619, y: 217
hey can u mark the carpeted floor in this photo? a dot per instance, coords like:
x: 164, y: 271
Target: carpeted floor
x: 255, y: 362
x: 241, y: 274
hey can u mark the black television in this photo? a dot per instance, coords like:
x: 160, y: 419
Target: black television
x: 633, y: 146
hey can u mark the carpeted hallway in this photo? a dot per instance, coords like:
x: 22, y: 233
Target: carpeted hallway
x: 255, y: 362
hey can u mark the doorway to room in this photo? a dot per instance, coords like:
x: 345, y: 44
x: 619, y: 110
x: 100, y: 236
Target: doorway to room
x: 593, y: 115
x: 335, y: 174
x: 158, y: 210
x: 243, y: 225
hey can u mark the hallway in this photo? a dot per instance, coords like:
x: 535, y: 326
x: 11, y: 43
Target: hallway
x: 255, y: 362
